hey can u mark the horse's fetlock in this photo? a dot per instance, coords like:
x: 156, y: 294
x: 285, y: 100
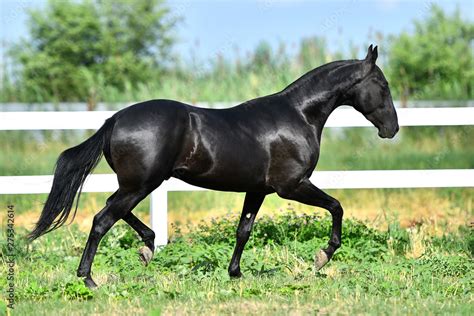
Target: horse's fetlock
x: 336, y: 244
x: 82, y: 273
x: 234, y: 272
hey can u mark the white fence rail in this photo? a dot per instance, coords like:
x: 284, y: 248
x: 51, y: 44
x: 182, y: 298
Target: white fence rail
x: 344, y: 117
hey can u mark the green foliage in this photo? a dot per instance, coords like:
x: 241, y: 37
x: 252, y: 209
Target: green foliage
x: 77, y: 291
x: 436, y: 60
x: 3, y: 308
x: 78, y: 47
x: 119, y: 51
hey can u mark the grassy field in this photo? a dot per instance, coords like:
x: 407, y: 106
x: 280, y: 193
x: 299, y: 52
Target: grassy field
x: 381, y: 272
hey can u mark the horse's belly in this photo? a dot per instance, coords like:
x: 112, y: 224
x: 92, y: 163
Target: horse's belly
x: 223, y: 185
x: 236, y: 173
x: 237, y: 179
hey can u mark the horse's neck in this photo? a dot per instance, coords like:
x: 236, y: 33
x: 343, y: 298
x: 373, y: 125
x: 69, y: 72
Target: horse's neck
x: 318, y: 93
x: 316, y: 96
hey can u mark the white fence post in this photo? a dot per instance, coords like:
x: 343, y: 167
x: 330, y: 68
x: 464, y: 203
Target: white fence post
x: 159, y: 215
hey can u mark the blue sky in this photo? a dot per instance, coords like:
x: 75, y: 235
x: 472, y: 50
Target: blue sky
x: 211, y: 27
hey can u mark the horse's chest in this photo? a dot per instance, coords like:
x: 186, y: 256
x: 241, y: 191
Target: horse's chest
x: 292, y: 158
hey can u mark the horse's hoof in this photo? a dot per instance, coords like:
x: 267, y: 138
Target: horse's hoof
x: 321, y: 259
x: 236, y: 275
x: 90, y: 283
x: 145, y: 255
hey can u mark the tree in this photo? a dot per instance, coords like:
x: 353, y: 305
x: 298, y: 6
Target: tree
x: 436, y: 60
x: 76, y: 47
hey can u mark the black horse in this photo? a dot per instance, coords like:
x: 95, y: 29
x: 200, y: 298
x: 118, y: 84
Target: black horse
x: 266, y: 145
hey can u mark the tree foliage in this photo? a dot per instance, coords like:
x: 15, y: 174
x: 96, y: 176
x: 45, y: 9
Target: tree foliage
x: 436, y: 59
x: 117, y: 51
x: 78, y: 46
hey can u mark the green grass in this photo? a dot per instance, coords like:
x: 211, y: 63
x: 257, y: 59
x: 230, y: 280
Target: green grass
x: 392, y: 272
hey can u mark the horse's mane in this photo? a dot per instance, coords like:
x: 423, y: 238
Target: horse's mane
x: 317, y: 73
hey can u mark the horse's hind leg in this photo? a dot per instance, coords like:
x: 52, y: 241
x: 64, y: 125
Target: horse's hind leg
x: 309, y: 194
x: 121, y: 203
x: 147, y: 235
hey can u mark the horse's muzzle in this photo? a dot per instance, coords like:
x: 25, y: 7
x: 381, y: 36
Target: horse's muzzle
x: 388, y: 132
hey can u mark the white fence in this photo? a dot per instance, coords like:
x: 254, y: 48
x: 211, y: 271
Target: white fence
x: 344, y: 117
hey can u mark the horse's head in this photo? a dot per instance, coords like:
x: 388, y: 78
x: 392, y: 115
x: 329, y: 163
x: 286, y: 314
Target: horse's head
x: 372, y: 97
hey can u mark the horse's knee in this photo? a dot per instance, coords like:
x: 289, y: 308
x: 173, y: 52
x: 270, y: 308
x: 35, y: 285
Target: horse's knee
x: 335, y: 209
x: 95, y: 229
x: 243, y: 233
x: 99, y: 226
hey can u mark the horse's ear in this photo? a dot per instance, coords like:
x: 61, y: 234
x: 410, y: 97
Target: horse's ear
x: 369, y: 62
x: 375, y: 54
x: 369, y: 52
x: 372, y: 54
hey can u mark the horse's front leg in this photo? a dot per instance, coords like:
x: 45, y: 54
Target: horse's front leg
x: 307, y: 193
x: 252, y: 204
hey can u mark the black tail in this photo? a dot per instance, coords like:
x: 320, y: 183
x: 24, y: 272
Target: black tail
x: 71, y: 170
